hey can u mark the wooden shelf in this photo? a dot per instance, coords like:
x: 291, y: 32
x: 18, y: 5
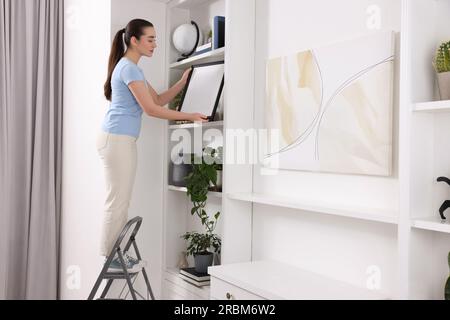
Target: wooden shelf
x: 277, y: 281
x: 369, y: 214
x: 433, y: 106
x: 210, y: 56
x: 213, y: 124
x: 432, y: 224
x: 182, y: 189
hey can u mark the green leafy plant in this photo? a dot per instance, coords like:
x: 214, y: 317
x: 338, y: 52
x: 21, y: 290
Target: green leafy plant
x: 173, y: 105
x: 210, y: 36
x: 198, y: 182
x: 442, y: 59
x: 199, y: 243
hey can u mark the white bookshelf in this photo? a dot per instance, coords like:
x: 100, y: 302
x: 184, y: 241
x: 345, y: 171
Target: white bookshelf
x: 368, y: 214
x: 210, y: 56
x: 285, y: 282
x: 420, y: 245
x: 423, y: 242
x: 177, y: 218
x: 432, y: 224
x: 433, y: 106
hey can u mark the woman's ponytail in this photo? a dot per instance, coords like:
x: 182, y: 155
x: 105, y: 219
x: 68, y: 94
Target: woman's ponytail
x: 135, y: 28
x: 117, y: 53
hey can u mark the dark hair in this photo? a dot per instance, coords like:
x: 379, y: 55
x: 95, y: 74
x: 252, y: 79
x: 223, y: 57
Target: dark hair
x: 135, y: 28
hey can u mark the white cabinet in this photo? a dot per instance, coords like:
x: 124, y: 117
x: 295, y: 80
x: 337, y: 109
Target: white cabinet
x: 221, y: 290
x: 273, y: 280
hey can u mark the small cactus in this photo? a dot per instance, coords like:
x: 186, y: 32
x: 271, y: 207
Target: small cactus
x: 447, y: 285
x: 442, y: 58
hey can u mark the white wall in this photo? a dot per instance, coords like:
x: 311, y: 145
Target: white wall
x: 305, y: 239
x: 90, y: 28
x: 87, y: 45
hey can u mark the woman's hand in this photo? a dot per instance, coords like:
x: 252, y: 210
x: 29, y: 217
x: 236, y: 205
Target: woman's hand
x: 197, y: 117
x: 185, y: 76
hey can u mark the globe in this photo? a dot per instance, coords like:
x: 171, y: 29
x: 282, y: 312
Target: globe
x: 185, y: 37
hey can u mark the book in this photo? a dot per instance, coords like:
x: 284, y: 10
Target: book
x: 194, y: 282
x: 194, y: 275
x: 204, y: 47
x: 218, y: 34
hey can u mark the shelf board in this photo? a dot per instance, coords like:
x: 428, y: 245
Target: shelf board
x: 210, y: 56
x: 432, y: 224
x: 212, y: 124
x: 433, y: 106
x: 182, y: 189
x: 278, y: 281
x: 362, y: 213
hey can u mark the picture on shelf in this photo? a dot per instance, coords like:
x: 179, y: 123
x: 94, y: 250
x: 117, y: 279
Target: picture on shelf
x: 333, y: 107
x: 203, y: 89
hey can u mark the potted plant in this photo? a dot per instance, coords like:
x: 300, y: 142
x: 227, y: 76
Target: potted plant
x: 442, y: 66
x: 204, y: 172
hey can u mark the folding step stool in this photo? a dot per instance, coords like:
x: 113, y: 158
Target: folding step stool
x: 110, y: 276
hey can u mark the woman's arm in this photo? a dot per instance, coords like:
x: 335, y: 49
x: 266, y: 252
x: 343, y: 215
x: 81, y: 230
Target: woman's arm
x: 169, y: 95
x: 145, y: 100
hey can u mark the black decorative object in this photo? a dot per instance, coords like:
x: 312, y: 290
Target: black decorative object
x: 177, y: 172
x: 446, y: 203
x: 185, y: 56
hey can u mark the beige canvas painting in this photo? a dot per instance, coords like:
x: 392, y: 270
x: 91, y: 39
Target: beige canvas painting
x: 333, y: 107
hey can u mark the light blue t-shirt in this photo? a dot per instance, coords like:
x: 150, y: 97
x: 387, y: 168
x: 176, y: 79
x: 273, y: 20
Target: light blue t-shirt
x: 124, y: 116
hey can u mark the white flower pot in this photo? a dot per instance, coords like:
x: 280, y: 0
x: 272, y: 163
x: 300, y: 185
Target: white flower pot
x: 444, y: 85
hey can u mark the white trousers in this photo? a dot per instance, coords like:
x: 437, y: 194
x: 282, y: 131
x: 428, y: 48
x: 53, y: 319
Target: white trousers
x: 119, y: 156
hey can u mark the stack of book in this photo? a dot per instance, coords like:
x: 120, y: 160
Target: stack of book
x: 196, y: 278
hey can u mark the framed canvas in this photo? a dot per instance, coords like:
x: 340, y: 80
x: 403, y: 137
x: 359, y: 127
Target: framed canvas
x: 203, y: 89
x: 333, y: 107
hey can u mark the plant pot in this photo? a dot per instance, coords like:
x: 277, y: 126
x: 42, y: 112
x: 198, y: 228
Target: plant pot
x: 203, y: 261
x: 444, y: 85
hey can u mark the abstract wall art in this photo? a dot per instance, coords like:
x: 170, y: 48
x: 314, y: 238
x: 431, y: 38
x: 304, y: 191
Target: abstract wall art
x: 333, y: 107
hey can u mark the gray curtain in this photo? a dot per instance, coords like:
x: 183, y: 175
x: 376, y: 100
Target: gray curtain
x: 31, y: 86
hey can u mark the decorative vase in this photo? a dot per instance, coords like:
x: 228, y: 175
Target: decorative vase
x: 182, y: 262
x: 447, y: 285
x: 203, y: 261
x: 444, y: 85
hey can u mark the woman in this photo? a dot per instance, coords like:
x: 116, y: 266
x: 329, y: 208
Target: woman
x: 130, y: 95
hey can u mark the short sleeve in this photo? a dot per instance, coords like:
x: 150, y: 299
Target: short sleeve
x: 131, y: 73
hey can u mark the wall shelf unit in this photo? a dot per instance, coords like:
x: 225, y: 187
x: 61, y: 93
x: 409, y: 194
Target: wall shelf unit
x: 411, y: 246
x: 177, y: 218
x: 368, y: 214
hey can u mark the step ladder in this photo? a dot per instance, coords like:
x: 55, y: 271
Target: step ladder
x: 129, y: 277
